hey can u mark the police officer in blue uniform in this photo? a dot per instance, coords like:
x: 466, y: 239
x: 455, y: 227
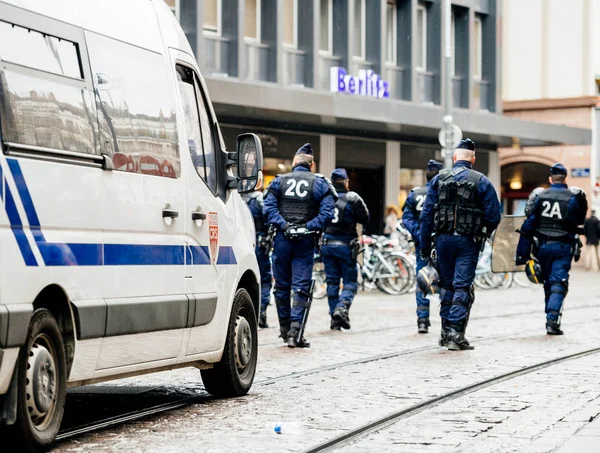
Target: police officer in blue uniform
x: 340, y: 248
x: 462, y: 209
x: 556, y: 216
x: 255, y: 203
x: 410, y: 219
x: 300, y: 200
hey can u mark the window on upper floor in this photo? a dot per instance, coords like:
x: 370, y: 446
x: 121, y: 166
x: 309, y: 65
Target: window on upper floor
x: 391, y: 32
x: 326, y: 26
x: 212, y: 16
x: 290, y: 23
x: 421, y: 38
x: 253, y: 20
x: 477, y: 48
x: 359, y: 31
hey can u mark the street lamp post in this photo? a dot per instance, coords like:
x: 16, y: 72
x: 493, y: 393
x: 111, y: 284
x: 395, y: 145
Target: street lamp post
x: 448, y: 123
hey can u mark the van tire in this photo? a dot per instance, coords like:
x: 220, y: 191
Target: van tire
x: 40, y: 409
x: 234, y: 374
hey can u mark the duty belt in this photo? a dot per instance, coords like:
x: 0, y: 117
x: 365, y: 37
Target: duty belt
x: 334, y: 242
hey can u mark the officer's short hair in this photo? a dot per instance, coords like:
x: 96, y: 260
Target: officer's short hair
x: 303, y: 159
x: 429, y: 174
x: 558, y: 179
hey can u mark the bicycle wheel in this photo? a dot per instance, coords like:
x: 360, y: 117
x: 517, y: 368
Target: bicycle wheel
x: 403, y: 277
x: 520, y: 278
x: 320, y: 285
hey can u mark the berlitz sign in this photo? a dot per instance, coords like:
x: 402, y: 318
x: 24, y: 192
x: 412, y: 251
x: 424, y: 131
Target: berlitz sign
x: 367, y: 83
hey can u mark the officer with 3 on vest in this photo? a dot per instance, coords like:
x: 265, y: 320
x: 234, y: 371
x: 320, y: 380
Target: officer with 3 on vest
x: 255, y: 202
x: 410, y: 219
x: 340, y: 249
x: 461, y: 208
x: 554, y: 221
x: 296, y: 201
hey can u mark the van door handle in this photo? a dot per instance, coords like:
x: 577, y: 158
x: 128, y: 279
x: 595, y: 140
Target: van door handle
x: 198, y: 215
x: 170, y: 213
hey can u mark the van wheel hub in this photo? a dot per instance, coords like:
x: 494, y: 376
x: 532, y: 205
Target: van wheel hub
x: 243, y: 342
x: 41, y: 383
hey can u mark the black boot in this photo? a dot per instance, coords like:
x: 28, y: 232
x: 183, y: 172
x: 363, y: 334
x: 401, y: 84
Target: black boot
x: 444, y: 334
x: 457, y: 341
x: 292, y: 340
x: 340, y: 314
x: 262, y: 321
x: 334, y: 324
x: 284, y: 329
x: 423, y: 325
x: 553, y: 328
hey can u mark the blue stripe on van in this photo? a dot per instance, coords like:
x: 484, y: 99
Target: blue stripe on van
x: 59, y: 254
x: 17, y: 228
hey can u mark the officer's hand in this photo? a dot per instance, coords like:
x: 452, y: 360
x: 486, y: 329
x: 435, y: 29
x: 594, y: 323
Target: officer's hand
x: 425, y: 254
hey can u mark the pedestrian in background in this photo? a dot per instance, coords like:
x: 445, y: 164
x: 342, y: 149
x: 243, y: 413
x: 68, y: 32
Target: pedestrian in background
x: 390, y: 227
x: 591, y: 228
x: 410, y: 219
x: 340, y: 249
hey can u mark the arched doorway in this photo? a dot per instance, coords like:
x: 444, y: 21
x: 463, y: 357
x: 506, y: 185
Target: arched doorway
x: 518, y: 179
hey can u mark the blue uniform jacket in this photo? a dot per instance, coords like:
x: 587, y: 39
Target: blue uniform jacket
x: 492, y: 211
x: 576, y: 209
x: 410, y: 216
x: 322, y: 191
x: 256, y: 204
x: 356, y: 211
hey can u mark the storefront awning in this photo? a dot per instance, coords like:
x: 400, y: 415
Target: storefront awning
x: 272, y: 105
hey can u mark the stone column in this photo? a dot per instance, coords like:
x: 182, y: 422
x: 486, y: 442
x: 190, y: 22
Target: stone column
x: 494, y: 170
x: 327, y: 155
x: 392, y: 172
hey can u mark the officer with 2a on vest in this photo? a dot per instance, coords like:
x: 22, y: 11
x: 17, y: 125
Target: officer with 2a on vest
x: 411, y: 212
x: 297, y: 201
x: 462, y: 210
x: 549, y: 234
x: 255, y: 203
x: 340, y: 249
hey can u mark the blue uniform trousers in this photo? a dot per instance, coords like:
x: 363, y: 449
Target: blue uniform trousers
x: 422, y: 301
x: 293, y: 262
x: 339, y: 265
x: 555, y: 259
x: 266, y: 277
x: 457, y: 259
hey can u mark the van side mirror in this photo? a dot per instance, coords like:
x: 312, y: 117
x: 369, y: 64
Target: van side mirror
x: 249, y: 163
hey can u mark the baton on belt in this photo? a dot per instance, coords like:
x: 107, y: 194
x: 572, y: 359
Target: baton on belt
x: 306, y: 311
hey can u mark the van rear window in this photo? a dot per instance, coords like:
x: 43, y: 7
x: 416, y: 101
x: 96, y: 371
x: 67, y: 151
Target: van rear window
x: 39, y: 51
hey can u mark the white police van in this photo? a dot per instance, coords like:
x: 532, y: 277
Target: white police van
x: 125, y: 246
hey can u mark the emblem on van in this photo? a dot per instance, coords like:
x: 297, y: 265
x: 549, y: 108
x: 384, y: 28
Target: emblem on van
x: 213, y: 234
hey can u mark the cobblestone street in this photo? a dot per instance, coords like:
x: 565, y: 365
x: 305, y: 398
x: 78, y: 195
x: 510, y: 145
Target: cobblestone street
x: 381, y: 366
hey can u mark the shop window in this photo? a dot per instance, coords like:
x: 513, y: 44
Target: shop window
x: 253, y: 20
x: 326, y: 23
x: 359, y: 30
x: 421, y: 38
x: 212, y: 16
x: 453, y: 41
x: 290, y: 23
x: 391, y: 32
x: 478, y: 44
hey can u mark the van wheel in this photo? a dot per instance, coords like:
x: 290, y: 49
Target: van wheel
x: 41, y: 385
x: 234, y: 374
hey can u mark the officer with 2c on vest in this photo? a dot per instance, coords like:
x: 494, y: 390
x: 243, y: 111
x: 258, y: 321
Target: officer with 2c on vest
x: 462, y: 209
x: 255, y: 203
x: 410, y: 219
x: 340, y: 249
x: 301, y: 205
x: 549, y: 234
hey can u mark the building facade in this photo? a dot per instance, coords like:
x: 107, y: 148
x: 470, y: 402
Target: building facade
x: 362, y: 80
x: 555, y: 79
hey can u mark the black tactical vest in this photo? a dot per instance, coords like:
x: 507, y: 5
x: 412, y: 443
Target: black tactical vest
x: 552, y: 210
x: 419, y: 194
x: 340, y: 225
x: 457, y: 208
x: 256, y: 198
x: 297, y: 203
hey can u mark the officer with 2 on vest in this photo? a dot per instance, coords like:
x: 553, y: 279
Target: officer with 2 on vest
x: 255, y: 202
x: 462, y: 209
x: 549, y: 234
x: 340, y: 249
x: 410, y: 219
x: 300, y: 201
